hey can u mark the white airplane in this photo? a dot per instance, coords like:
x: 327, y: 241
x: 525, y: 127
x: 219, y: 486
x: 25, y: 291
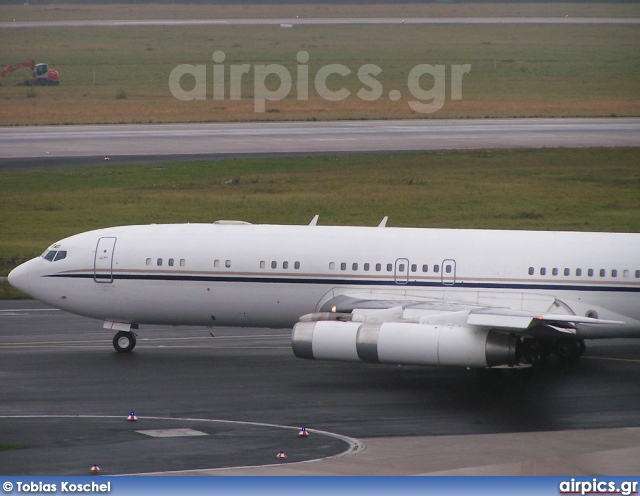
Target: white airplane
x: 472, y: 298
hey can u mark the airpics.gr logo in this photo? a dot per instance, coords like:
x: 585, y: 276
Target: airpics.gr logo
x: 596, y: 486
x: 427, y: 100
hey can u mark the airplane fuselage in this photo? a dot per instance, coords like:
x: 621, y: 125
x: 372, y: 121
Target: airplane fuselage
x: 271, y: 275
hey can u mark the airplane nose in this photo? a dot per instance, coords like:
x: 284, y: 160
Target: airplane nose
x: 19, y: 277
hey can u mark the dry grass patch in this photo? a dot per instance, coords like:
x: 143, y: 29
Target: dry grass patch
x: 522, y: 71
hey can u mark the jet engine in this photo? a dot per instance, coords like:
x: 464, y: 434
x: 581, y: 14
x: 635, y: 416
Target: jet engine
x: 404, y: 343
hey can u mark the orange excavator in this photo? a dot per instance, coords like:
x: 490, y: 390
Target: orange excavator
x: 42, y: 75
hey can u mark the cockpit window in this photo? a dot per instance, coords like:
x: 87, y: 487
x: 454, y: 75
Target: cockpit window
x: 54, y: 255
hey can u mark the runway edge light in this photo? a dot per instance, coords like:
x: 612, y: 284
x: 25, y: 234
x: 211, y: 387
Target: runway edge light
x: 132, y: 417
x: 303, y: 432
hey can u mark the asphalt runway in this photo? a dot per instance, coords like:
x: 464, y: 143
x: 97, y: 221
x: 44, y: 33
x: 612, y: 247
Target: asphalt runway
x: 66, y: 395
x: 293, y: 21
x: 55, y: 146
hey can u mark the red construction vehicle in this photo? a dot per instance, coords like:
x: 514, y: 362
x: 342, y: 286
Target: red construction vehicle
x: 42, y: 75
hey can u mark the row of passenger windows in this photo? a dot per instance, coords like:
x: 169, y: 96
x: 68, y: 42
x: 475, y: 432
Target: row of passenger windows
x: 389, y: 267
x: 171, y: 262
x: 378, y: 267
x: 366, y: 267
x: 296, y: 265
x: 579, y: 272
x: 274, y: 265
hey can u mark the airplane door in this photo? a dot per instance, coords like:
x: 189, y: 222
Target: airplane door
x: 103, y: 263
x: 402, y: 271
x: 448, y: 272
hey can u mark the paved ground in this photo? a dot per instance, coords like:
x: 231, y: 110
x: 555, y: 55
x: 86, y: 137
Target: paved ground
x: 296, y: 21
x: 42, y: 146
x: 409, y: 420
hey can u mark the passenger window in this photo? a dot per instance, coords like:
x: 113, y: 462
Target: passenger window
x: 436, y: 268
x: 389, y: 267
x: 401, y: 268
x: 554, y: 271
x: 343, y: 266
x: 379, y: 268
x: 171, y: 262
x: 50, y: 256
x: 614, y: 272
x: 262, y: 264
x: 148, y: 261
x: 216, y: 263
x: 578, y: 272
x: 425, y: 268
x: 354, y: 266
x: 414, y: 268
x: 366, y: 267
x: 590, y: 272
x: 543, y: 271
x: 274, y: 265
x: 625, y: 274
x: 332, y: 266
x: 182, y: 262
x: 637, y: 274
x: 531, y: 271
x: 227, y: 264
x: 296, y: 265
x: 61, y: 255
x: 448, y: 269
x: 602, y: 272
x: 285, y: 265
x: 567, y: 272
x: 159, y: 262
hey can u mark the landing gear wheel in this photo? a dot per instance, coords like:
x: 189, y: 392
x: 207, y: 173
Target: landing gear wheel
x: 124, y: 341
x: 532, y: 351
x: 567, y: 351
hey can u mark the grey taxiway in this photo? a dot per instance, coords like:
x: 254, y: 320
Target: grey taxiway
x: 227, y: 402
x: 28, y: 147
x: 293, y: 21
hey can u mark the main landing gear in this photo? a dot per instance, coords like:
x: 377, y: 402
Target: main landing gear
x: 124, y: 341
x: 566, y: 350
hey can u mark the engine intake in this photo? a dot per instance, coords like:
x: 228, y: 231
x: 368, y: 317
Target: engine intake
x: 403, y: 343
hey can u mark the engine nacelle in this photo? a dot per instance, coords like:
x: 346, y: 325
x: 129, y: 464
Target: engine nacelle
x: 403, y: 343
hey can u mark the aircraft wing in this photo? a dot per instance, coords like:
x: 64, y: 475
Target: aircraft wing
x: 387, y: 308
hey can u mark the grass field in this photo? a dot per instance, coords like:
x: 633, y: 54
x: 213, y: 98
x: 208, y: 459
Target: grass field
x: 81, y: 11
x: 558, y: 189
x: 118, y: 75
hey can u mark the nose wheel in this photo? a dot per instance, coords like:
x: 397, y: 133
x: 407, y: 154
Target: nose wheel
x: 124, y: 341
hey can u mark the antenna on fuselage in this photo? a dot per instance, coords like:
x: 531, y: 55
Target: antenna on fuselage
x: 383, y: 222
x: 314, y: 221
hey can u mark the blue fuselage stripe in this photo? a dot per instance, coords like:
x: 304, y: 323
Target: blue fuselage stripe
x: 359, y: 282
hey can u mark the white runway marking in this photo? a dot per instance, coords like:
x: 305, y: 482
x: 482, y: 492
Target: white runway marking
x: 22, y: 311
x: 172, y: 433
x: 293, y: 22
x: 355, y: 445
